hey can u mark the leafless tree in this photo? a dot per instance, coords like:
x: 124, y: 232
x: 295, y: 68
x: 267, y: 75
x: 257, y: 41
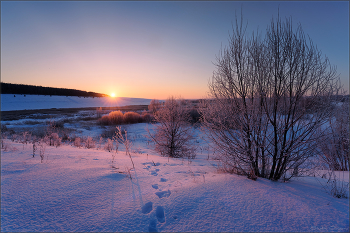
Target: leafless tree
x: 256, y: 113
x: 173, y: 134
x: 154, y: 106
x: 335, y: 145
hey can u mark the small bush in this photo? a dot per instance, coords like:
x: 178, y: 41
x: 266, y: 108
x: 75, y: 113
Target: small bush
x: 154, y: 106
x: 100, y: 143
x: 118, y: 118
x: 173, y: 136
x: 115, y: 117
x: 55, y: 139
x: 132, y: 118
x: 146, y: 117
x: 65, y: 137
x: 109, y: 145
x: 77, y: 142
x: 90, y: 143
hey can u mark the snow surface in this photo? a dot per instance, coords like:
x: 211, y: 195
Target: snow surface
x: 21, y: 102
x: 76, y: 189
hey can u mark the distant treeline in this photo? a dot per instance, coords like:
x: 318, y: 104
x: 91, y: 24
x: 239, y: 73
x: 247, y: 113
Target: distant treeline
x: 9, y: 88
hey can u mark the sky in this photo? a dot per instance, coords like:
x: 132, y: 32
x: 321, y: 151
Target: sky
x: 147, y: 49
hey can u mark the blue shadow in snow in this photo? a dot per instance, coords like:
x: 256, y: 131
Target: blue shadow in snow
x: 114, y: 176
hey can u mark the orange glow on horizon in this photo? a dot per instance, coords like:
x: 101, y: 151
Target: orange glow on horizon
x: 112, y: 94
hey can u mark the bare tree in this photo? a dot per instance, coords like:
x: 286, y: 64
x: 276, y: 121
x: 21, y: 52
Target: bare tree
x: 256, y: 115
x: 335, y: 144
x: 173, y: 134
x: 154, y: 106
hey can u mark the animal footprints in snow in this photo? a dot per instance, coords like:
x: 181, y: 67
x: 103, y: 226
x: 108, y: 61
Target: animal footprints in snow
x: 147, y: 208
x: 160, y: 214
x: 155, y: 186
x: 163, y: 194
x: 154, y: 173
x: 152, y: 226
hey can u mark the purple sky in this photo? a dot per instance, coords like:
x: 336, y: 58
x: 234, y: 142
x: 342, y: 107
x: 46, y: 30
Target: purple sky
x: 147, y: 49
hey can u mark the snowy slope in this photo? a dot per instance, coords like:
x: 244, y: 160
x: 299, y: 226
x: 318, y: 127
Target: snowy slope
x: 76, y: 189
x: 21, y: 102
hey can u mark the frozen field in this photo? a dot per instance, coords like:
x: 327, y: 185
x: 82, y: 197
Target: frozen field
x: 22, y: 102
x: 77, y: 189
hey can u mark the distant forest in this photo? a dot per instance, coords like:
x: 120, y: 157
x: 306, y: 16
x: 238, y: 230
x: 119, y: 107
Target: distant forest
x: 9, y: 88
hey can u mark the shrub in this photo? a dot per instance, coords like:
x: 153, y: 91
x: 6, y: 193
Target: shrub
x: 117, y: 118
x: 173, y: 135
x: 154, y: 106
x: 55, y: 139
x: 334, y: 145
x: 146, y: 117
x: 261, y: 92
x: 90, y: 143
x: 77, y: 142
x: 109, y: 145
x: 132, y: 118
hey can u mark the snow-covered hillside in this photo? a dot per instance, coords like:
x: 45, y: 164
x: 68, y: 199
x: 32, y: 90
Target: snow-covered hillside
x: 21, y: 102
x: 76, y: 189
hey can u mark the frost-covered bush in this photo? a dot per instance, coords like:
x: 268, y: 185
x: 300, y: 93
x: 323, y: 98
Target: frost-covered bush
x: 100, y: 143
x: 146, y: 117
x: 131, y: 118
x: 115, y: 117
x: 55, y: 139
x: 334, y: 145
x: 154, y: 106
x: 269, y: 98
x: 173, y: 134
x: 89, y: 143
x: 77, y: 142
x: 118, y: 118
x: 109, y: 145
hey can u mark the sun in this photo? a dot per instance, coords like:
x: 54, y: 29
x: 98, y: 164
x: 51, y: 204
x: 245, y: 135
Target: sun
x: 112, y: 94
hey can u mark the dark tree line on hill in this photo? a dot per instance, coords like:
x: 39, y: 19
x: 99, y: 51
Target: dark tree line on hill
x: 9, y: 88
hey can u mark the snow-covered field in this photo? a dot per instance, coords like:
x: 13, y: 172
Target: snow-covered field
x: 11, y: 102
x: 76, y: 189
x: 79, y: 189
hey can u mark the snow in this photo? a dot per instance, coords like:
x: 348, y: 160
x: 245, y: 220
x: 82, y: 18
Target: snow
x: 29, y: 102
x: 77, y: 189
